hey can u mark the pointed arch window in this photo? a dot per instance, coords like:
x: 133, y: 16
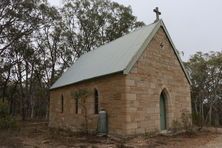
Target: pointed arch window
x: 62, y: 103
x: 77, y: 106
x: 96, y: 101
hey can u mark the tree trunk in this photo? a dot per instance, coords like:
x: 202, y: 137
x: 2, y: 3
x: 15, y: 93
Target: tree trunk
x: 47, y: 107
x: 202, y: 114
x: 195, y: 106
x: 217, y: 121
x: 210, y: 115
x: 5, y: 86
x: 32, y: 108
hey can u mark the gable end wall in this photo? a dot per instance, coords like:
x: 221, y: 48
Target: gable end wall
x: 155, y: 70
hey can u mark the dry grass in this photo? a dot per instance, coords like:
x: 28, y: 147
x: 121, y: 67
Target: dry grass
x: 38, y: 135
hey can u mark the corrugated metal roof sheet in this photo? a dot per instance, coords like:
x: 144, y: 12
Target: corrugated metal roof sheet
x: 109, y: 58
x: 116, y: 56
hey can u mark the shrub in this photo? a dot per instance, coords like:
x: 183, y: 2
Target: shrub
x: 186, y: 120
x: 184, y: 123
x: 4, y: 110
x: 6, y: 121
x: 176, y: 126
x: 197, y: 120
x: 150, y: 134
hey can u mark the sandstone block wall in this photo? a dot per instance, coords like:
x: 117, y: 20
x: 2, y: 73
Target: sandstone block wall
x: 111, y: 97
x: 156, y: 70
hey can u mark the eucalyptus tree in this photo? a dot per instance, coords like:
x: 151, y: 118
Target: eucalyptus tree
x: 206, y: 76
x: 91, y: 23
x: 20, y: 19
x: 39, y: 42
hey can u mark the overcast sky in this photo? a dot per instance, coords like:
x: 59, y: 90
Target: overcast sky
x: 194, y: 25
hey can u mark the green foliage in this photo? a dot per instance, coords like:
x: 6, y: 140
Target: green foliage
x: 197, y: 120
x: 6, y: 121
x: 185, y: 123
x: 91, y: 23
x: 176, y: 126
x: 3, y: 110
x: 186, y: 120
x: 39, y: 42
x: 205, y: 71
x: 150, y: 134
x: 81, y: 96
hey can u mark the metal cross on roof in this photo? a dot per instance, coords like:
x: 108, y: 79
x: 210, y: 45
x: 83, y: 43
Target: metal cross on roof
x: 158, y: 13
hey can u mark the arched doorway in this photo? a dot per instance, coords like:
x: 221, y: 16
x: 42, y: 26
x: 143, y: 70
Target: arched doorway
x: 162, y: 111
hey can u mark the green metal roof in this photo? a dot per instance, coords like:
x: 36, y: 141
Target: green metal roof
x: 117, y: 56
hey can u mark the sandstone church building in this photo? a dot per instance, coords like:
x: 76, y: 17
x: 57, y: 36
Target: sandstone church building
x: 138, y: 79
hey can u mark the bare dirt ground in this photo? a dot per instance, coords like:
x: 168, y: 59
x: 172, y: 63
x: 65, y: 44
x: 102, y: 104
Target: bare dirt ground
x: 214, y: 143
x: 38, y: 135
